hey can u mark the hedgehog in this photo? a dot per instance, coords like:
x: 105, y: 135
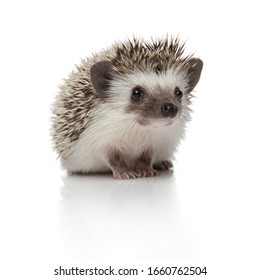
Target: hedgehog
x: 124, y: 110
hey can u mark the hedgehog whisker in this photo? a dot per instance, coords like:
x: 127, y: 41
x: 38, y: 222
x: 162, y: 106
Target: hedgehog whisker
x: 132, y: 128
x: 128, y: 128
x: 137, y: 128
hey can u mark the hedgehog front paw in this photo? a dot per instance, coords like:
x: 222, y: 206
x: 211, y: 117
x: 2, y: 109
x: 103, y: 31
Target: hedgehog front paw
x: 139, y: 173
x: 146, y: 172
x: 122, y: 170
x: 164, y: 165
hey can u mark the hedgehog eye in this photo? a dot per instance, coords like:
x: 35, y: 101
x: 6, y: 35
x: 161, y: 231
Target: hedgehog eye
x: 137, y: 93
x: 178, y: 93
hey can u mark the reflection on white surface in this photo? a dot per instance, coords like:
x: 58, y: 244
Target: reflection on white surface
x: 106, y: 218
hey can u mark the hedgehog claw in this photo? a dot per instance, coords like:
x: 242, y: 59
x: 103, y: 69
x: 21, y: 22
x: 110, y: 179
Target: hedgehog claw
x: 147, y: 172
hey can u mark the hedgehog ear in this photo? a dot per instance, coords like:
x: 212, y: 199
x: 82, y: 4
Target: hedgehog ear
x: 101, y: 75
x: 194, y: 71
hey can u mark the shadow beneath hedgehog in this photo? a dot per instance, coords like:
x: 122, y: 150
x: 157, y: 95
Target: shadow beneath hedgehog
x: 104, y: 218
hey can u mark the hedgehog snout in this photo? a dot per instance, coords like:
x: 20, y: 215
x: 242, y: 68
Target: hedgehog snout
x: 169, y: 110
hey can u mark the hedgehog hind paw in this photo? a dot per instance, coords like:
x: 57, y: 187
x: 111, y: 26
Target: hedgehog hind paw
x: 164, y: 165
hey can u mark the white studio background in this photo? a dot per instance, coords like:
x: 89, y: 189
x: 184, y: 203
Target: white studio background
x: 207, y: 214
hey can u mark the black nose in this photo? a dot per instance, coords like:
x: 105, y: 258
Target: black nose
x: 169, y: 110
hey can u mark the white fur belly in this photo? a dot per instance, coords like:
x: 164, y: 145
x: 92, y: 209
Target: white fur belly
x: 90, y: 152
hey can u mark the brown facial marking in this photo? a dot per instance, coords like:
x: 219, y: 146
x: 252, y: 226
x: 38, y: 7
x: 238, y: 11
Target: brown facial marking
x: 160, y: 103
x: 169, y: 110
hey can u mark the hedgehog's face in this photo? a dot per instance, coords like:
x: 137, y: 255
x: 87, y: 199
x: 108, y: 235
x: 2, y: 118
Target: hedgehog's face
x: 156, y: 99
x: 150, y: 97
x: 154, y: 107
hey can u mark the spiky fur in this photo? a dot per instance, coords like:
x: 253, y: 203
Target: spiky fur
x: 85, y: 127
